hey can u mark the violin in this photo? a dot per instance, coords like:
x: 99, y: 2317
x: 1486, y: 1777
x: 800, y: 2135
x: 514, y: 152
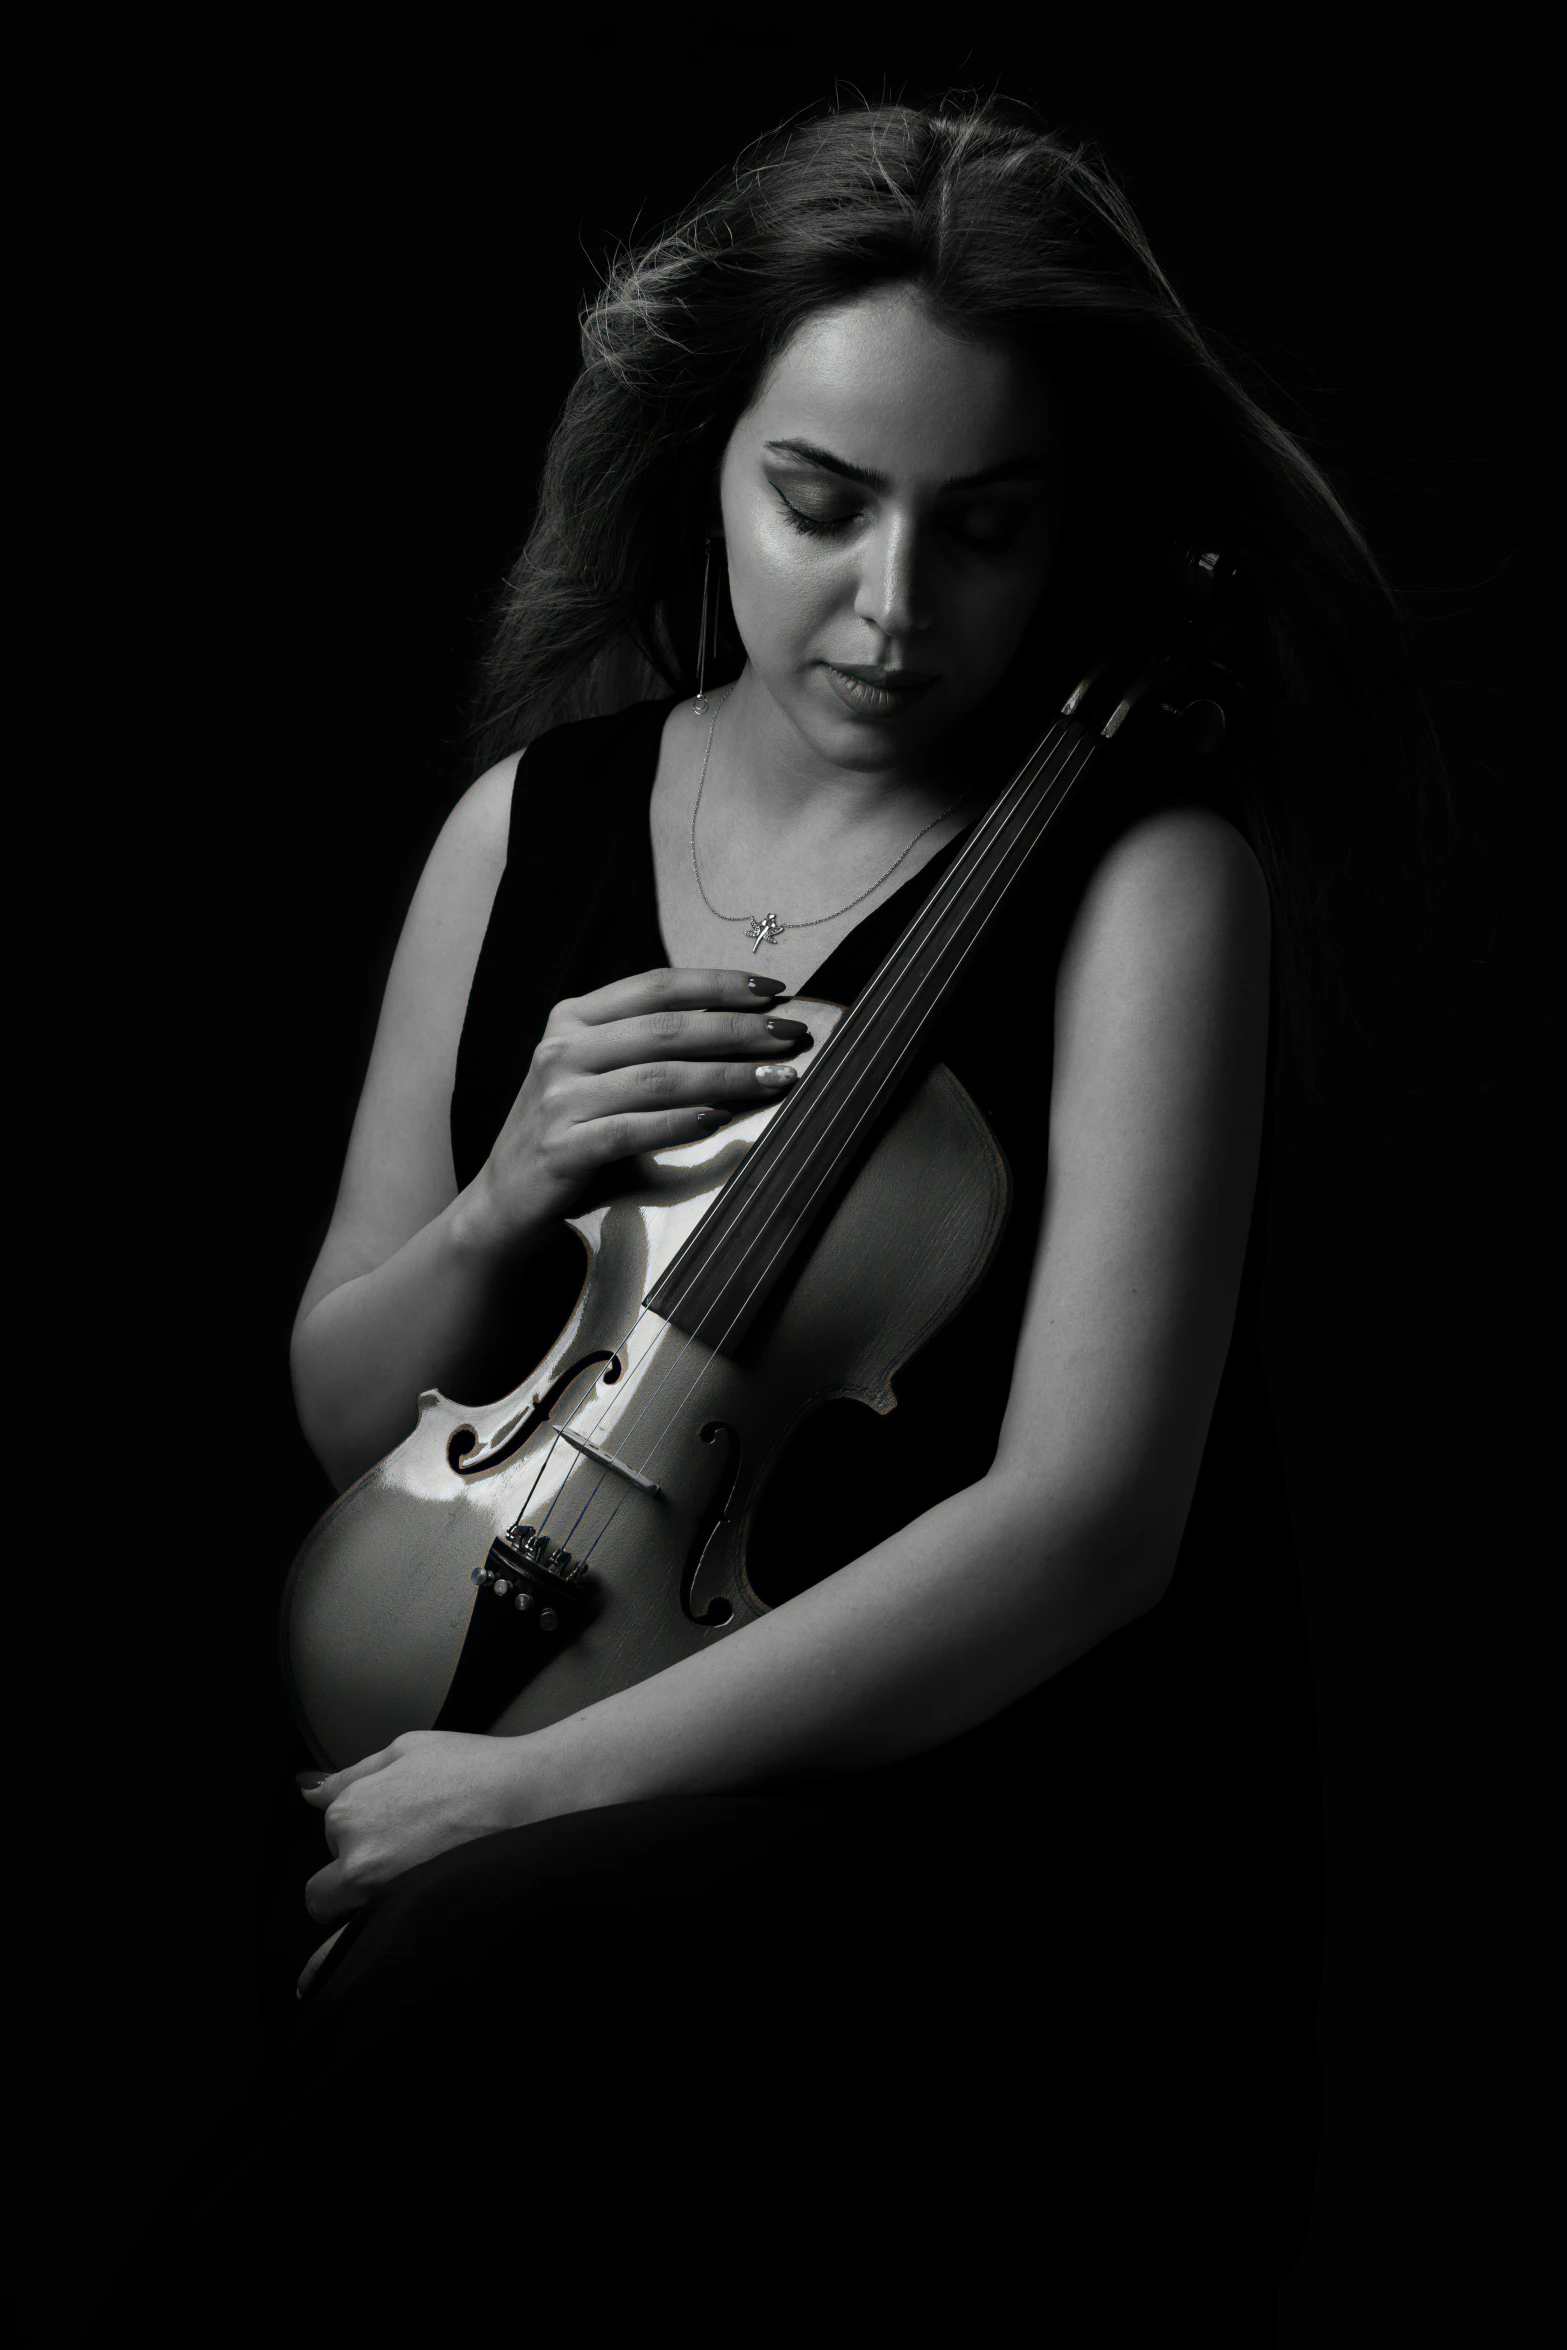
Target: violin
x: 504, y: 1567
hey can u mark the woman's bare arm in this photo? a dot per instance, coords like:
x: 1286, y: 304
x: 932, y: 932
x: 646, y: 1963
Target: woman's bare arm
x: 418, y: 1280
x: 1156, y: 1115
x: 400, y: 1287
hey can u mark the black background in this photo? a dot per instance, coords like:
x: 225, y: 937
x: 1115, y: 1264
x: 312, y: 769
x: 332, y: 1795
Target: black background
x: 297, y: 307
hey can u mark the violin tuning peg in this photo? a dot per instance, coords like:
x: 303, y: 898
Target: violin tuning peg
x: 1201, y: 725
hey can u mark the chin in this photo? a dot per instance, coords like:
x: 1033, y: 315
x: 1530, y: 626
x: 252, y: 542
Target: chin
x: 865, y: 744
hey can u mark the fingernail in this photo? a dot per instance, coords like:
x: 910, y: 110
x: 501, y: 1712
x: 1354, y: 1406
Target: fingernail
x: 776, y: 1073
x: 795, y: 1031
x: 707, y: 1119
x: 765, y: 986
x: 307, y: 1779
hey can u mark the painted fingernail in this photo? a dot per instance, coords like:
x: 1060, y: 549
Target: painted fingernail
x: 708, y: 1119
x: 305, y: 1780
x: 765, y: 986
x: 793, y: 1031
x: 776, y: 1073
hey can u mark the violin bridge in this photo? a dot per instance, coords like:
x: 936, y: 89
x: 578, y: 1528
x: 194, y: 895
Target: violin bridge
x: 606, y: 1460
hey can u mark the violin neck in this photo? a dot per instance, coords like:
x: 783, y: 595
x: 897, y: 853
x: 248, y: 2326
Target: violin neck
x: 718, y: 1283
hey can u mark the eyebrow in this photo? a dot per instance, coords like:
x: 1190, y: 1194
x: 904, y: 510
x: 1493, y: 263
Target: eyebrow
x: 1018, y: 468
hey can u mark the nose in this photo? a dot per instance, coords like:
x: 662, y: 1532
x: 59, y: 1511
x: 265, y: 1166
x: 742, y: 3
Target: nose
x: 892, y: 591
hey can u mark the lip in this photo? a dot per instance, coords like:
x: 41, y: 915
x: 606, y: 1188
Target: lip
x: 878, y: 693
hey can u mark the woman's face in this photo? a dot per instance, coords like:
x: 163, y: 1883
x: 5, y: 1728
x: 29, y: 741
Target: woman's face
x: 890, y: 504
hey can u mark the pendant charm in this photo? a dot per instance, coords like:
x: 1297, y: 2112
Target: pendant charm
x: 762, y: 929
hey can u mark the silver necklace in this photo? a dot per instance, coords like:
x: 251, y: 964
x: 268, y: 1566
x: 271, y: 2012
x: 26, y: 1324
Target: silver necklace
x: 762, y: 929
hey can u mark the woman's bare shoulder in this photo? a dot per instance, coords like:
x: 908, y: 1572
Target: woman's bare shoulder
x: 1179, y: 890
x: 451, y: 905
x: 1188, y: 847
x: 479, y: 826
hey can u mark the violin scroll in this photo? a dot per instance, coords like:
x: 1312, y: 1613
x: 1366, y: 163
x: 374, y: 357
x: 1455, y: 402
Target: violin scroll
x: 1207, y: 581
x: 1213, y: 650
x: 1226, y: 623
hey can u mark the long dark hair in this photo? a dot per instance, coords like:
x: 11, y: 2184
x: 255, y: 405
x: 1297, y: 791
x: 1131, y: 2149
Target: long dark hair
x: 1015, y: 235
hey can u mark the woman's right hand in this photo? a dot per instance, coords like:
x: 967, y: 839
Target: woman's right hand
x: 663, y: 1058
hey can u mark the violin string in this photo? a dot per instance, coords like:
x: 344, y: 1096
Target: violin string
x: 549, y: 1450
x: 908, y: 945
x: 582, y: 1513
x: 792, y: 1123
x: 549, y: 1455
x: 889, y: 1079
x: 1006, y: 806
x: 716, y: 1346
x: 1039, y: 816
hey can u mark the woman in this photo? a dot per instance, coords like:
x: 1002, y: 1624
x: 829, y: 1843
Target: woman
x: 952, y: 1926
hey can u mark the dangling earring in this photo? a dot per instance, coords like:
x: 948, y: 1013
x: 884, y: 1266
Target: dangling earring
x: 700, y: 705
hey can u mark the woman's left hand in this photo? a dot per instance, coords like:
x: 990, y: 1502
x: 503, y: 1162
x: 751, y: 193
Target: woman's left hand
x: 428, y: 1790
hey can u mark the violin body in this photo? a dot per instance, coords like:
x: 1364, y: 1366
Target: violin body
x: 433, y: 1593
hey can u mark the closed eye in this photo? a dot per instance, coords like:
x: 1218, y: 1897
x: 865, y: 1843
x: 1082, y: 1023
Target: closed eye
x: 983, y: 529
x: 990, y: 526
x: 814, y: 524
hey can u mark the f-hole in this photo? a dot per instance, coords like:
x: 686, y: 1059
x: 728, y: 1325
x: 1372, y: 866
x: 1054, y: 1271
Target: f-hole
x: 461, y: 1439
x: 718, y: 1610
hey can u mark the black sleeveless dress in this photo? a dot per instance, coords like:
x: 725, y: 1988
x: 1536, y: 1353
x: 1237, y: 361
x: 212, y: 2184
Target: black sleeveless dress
x: 1031, y: 2013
